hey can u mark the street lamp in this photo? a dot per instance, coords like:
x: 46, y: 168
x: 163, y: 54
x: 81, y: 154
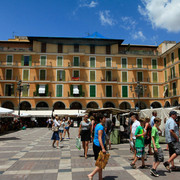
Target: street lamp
x: 138, y: 90
x: 20, y: 88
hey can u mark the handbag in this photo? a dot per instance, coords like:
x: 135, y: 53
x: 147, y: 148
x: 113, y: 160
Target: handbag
x: 55, y: 128
x: 78, y: 143
x: 102, y: 160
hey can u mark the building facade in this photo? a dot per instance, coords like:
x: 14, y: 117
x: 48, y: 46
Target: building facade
x: 92, y: 72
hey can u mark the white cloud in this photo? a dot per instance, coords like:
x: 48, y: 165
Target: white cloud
x: 138, y: 35
x: 85, y: 3
x: 105, y: 18
x: 162, y: 13
x: 128, y: 23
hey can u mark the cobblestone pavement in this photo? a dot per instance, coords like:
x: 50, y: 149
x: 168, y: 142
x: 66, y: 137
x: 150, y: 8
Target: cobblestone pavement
x: 28, y: 155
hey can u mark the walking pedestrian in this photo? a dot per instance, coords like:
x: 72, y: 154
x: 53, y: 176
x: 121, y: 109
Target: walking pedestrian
x: 67, y: 123
x: 85, y: 133
x: 61, y: 128
x: 158, y: 153
x: 108, y: 129
x: 98, y: 144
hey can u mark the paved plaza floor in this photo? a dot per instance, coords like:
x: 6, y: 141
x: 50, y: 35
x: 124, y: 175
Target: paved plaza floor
x: 29, y: 155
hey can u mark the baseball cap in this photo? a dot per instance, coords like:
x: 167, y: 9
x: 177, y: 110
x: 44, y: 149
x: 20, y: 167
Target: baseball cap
x: 172, y: 113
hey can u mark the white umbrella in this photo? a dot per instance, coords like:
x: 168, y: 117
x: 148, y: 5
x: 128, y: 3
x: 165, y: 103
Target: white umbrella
x: 4, y: 111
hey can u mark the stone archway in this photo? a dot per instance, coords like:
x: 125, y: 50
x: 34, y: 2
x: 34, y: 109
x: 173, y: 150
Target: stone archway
x: 25, y: 105
x: 167, y: 104
x: 142, y: 105
x: 156, y: 105
x: 124, y: 105
x: 92, y: 105
x: 8, y: 104
x: 175, y: 103
x: 42, y: 105
x: 76, y: 105
x: 108, y: 104
x: 59, y: 105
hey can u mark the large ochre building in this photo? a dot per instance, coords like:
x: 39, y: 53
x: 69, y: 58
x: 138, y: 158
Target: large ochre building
x: 91, y: 72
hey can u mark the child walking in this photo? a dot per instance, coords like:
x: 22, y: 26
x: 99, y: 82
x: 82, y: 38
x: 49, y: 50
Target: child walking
x: 139, y: 144
x: 158, y: 153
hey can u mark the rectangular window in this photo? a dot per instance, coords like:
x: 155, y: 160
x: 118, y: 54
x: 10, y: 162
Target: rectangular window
x: 139, y: 63
x: 165, y: 62
x: 108, y: 76
x: 92, y: 76
x: 165, y: 76
x: 8, y: 74
x: 92, y: 62
x: 124, y: 62
x: 108, y: 91
x: 60, y: 48
x: 25, y: 74
x: 76, y: 73
x: 9, y: 90
x: 76, y: 48
x: 43, y: 47
x: 108, y: 62
x: 172, y: 57
x: 172, y: 72
x: 124, y: 91
x: 92, y: 89
x: 155, y: 91
x: 124, y: 76
x: 174, y: 88
x: 26, y: 60
x: 154, y: 63
x: 43, y: 61
x: 25, y: 91
x: 108, y: 49
x: 59, y: 90
x: 140, y: 76
x: 76, y: 61
x: 59, y: 61
x: 60, y: 75
x: 155, y: 77
x: 42, y: 74
x: 9, y: 59
x: 92, y: 49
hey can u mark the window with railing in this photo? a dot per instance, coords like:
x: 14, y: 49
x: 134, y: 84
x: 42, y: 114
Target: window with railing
x: 9, y: 74
x: 9, y: 59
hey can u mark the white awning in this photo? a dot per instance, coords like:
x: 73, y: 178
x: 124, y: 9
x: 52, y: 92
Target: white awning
x: 42, y: 89
x: 75, y: 89
x: 70, y: 112
x: 36, y: 113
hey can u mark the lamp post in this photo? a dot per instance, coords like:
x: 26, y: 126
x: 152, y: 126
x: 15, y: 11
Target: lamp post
x: 138, y: 90
x: 20, y: 88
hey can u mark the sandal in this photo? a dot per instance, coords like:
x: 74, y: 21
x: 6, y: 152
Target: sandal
x: 166, y: 165
x: 133, y: 166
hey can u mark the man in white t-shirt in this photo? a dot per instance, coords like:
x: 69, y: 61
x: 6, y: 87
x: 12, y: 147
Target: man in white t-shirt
x: 135, y: 124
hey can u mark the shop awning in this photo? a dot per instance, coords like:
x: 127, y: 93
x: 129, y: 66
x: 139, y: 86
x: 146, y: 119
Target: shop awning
x: 73, y: 112
x: 36, y: 113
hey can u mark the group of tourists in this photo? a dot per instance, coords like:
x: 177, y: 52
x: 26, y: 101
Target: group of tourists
x: 145, y: 132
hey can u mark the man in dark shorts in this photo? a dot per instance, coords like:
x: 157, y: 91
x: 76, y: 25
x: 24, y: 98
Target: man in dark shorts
x: 172, y: 138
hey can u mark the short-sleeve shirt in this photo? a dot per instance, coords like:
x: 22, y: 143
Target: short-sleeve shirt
x: 171, y: 125
x: 152, y: 121
x: 155, y: 134
x: 139, y: 140
x: 134, y: 127
x: 61, y: 126
x: 85, y: 125
x: 96, y: 140
x: 108, y: 124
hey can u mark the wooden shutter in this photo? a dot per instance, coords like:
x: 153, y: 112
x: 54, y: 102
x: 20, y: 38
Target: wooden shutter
x: 92, y: 90
x: 43, y: 60
x: 30, y: 60
x: 154, y: 64
x: 165, y: 74
x: 155, y: 91
x: 76, y: 61
x: 108, y: 76
x: 76, y: 48
x: 71, y: 90
x: 58, y: 75
x: 155, y: 79
x: 80, y: 90
x: 25, y: 75
x: 46, y: 90
x: 9, y: 60
x: 63, y: 75
x: 164, y: 62
x: 8, y: 74
x: 59, y: 90
x: 25, y: 91
x: 139, y: 76
x: 92, y: 61
x: 92, y: 76
x: 124, y: 91
x: 22, y: 60
x: 124, y: 76
x: 42, y: 74
x: 179, y: 69
x: 174, y: 89
x: 139, y: 63
x: 59, y: 61
x: 124, y: 62
x: 37, y: 89
x: 108, y: 62
x: 108, y: 91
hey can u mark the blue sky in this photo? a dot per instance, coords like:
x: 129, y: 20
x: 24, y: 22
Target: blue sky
x: 136, y: 21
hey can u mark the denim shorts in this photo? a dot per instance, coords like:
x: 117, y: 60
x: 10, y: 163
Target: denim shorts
x: 61, y: 131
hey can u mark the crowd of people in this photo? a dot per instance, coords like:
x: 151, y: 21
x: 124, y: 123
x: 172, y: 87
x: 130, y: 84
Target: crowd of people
x: 144, y: 132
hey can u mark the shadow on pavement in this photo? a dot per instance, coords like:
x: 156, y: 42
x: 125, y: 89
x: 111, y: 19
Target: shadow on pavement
x: 110, y: 177
x: 9, y: 138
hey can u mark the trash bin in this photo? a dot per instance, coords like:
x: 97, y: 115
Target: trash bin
x: 115, y: 137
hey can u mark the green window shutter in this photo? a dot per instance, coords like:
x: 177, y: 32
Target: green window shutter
x: 155, y: 80
x: 25, y: 75
x: 42, y: 74
x: 92, y: 90
x: 30, y: 60
x: 76, y: 61
x: 179, y: 53
x: 124, y: 76
x: 139, y: 76
x: 25, y: 91
x: 165, y: 74
x: 76, y: 73
x: 59, y: 90
x: 92, y: 76
x: 22, y: 60
x: 108, y: 62
x: 164, y: 62
x: 59, y: 61
x: 92, y: 61
x: 9, y: 60
x: 43, y: 60
x: 8, y: 74
x: 108, y: 76
x: 155, y: 91
x: 63, y: 75
x: 154, y: 63
x: 58, y: 75
x: 139, y: 63
x: 124, y: 91
x: 46, y: 90
x: 71, y: 90
x: 80, y: 90
x: 37, y: 89
x: 124, y: 63
x: 108, y: 91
